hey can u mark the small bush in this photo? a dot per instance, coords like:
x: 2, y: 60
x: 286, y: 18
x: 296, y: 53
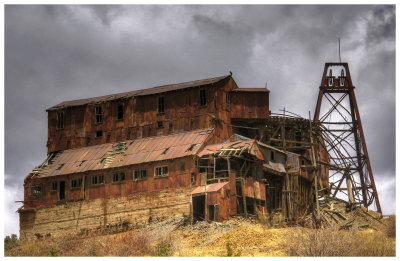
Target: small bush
x: 229, y: 250
x: 52, y: 252
x: 10, y: 242
x: 164, y: 249
x: 332, y: 242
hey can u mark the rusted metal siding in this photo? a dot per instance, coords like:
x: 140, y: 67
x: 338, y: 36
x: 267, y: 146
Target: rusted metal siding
x: 177, y: 178
x: 249, y: 104
x: 136, y: 151
x: 182, y: 113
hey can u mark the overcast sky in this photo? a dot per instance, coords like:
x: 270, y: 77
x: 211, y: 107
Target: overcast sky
x: 57, y: 53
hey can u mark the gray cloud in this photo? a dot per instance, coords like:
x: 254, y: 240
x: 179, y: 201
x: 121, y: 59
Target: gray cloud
x: 56, y: 53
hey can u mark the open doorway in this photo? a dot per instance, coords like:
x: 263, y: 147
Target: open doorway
x: 198, y: 208
x: 62, y: 190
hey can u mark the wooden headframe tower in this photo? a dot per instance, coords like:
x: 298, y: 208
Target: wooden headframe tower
x: 339, y: 119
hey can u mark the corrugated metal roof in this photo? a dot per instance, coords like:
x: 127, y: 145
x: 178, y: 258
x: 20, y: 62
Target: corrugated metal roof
x: 209, y: 188
x: 125, y: 153
x: 149, y: 91
x: 251, y: 90
x: 249, y: 146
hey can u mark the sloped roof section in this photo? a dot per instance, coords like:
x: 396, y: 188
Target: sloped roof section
x: 251, y: 90
x: 125, y: 153
x: 143, y: 92
x: 235, y: 148
x: 209, y: 188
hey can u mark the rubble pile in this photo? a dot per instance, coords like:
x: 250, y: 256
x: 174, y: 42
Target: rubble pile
x: 334, y: 212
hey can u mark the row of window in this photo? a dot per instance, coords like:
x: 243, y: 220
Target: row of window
x: 138, y: 174
x: 98, y: 110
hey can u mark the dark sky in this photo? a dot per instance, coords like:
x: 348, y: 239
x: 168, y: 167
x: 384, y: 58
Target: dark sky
x: 57, y: 53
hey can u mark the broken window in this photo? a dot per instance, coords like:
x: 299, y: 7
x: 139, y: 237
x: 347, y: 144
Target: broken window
x: 203, y: 98
x: 97, y: 179
x: 160, y: 124
x: 60, y: 120
x: 98, y: 111
x: 120, y: 112
x: 160, y: 108
x: 36, y: 190
x: 119, y: 177
x: 76, y: 183
x: 54, y: 186
x: 99, y: 133
x: 228, y: 101
x: 139, y: 174
x: 161, y: 171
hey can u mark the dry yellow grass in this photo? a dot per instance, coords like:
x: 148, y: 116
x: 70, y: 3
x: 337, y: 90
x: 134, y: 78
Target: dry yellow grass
x: 244, y: 238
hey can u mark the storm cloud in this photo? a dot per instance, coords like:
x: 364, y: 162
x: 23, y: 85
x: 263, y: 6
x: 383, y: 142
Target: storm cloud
x: 57, y: 53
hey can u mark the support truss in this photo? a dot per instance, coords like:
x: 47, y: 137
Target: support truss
x: 339, y: 121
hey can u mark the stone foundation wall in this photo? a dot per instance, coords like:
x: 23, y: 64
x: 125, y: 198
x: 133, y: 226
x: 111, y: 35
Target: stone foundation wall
x: 74, y: 217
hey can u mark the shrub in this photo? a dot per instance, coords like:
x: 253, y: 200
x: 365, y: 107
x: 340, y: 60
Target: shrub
x: 332, y: 242
x: 52, y: 252
x: 10, y: 241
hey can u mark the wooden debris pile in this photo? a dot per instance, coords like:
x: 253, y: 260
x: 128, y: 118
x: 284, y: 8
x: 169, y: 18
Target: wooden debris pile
x: 334, y: 212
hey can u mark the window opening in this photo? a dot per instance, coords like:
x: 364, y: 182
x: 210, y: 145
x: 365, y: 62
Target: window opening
x: 99, y: 134
x: 54, y: 186
x: 161, y: 171
x: 99, y: 113
x: 76, y: 183
x: 120, y: 112
x: 203, y: 98
x: 160, y: 104
x: 139, y: 174
x: 272, y: 155
x: 60, y: 120
x: 118, y: 177
x: 36, y: 190
x: 160, y: 124
x: 97, y: 179
x: 228, y: 101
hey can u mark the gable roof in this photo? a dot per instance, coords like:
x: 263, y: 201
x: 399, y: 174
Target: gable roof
x: 125, y: 153
x: 143, y: 92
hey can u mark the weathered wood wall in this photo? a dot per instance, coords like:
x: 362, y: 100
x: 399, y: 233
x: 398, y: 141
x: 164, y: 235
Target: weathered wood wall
x: 135, y: 209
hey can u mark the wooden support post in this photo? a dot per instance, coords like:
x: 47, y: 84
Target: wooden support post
x: 316, y: 195
x: 214, y: 167
x: 244, y: 197
x: 349, y: 187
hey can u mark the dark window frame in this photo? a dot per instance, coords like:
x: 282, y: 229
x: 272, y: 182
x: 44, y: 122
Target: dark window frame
x: 60, y: 120
x: 118, y: 177
x: 36, y: 190
x: 228, y: 101
x: 160, y: 104
x: 54, y: 186
x: 97, y: 180
x: 202, y: 98
x: 120, y: 111
x: 139, y: 174
x: 98, y: 113
x: 160, y: 124
x: 161, y: 171
x: 76, y: 183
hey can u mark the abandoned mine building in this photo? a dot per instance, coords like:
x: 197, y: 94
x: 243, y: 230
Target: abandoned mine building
x: 204, y: 149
